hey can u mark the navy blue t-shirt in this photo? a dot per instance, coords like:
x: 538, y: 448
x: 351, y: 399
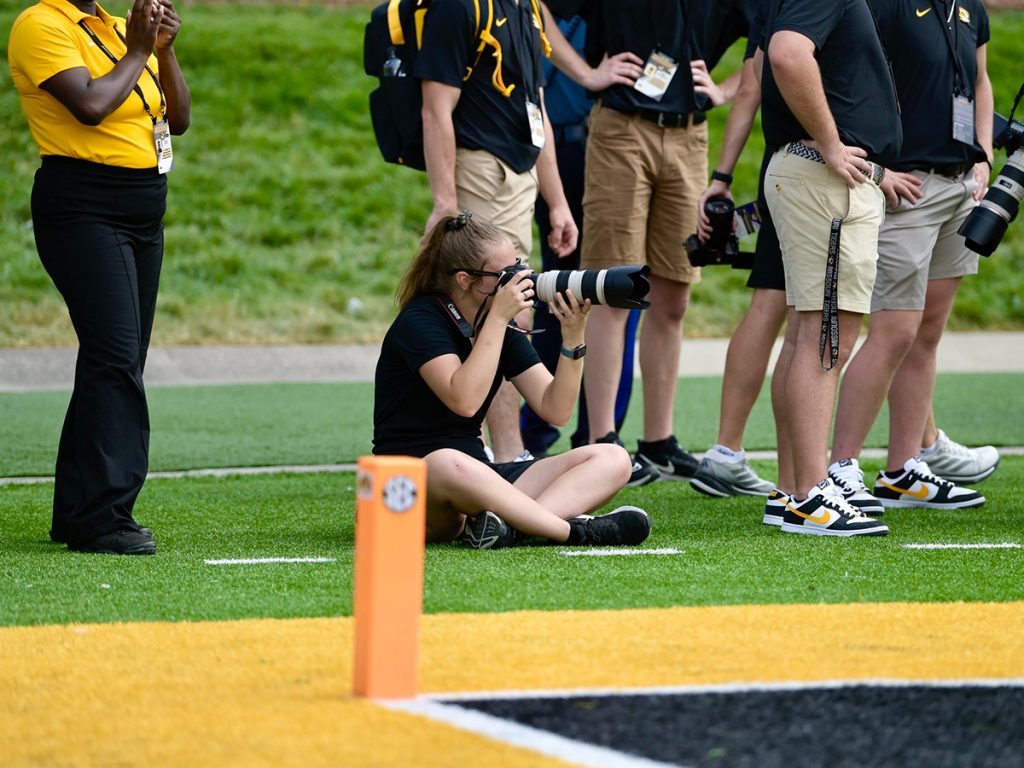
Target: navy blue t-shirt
x: 408, y: 418
x: 922, y: 64
x: 485, y: 118
x: 854, y: 73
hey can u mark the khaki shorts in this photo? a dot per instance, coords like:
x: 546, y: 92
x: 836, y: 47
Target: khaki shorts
x: 804, y: 197
x: 498, y: 195
x: 642, y: 187
x: 919, y: 242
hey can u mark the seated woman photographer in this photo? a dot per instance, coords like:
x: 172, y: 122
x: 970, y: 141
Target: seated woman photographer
x: 436, y: 377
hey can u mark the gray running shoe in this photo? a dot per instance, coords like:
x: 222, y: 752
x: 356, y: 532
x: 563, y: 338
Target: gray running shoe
x: 720, y: 478
x: 958, y: 463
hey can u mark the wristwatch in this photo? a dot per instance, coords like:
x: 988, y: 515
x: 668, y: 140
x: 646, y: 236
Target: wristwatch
x: 576, y: 352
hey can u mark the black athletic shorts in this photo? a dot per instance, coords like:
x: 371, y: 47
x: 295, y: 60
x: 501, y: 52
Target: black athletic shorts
x: 513, y: 469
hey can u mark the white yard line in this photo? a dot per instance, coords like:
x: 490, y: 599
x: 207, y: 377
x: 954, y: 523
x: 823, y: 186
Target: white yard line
x: 1003, y: 545
x: 261, y: 560
x: 619, y: 552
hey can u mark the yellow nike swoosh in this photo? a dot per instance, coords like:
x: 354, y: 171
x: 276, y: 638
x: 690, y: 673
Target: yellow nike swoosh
x: 820, y: 517
x: 501, y: 22
x: 922, y: 13
x: 921, y: 493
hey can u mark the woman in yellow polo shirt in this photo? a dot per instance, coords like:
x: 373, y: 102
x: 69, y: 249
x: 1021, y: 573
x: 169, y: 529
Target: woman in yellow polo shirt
x: 102, y: 96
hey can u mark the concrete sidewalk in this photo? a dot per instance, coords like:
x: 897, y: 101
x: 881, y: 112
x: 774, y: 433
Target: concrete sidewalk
x: 27, y: 369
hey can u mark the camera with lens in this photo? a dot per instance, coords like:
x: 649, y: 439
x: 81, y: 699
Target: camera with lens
x: 621, y: 287
x: 722, y: 245
x: 985, y: 226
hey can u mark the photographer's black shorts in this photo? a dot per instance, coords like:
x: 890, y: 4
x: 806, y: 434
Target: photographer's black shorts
x: 767, y: 271
x: 513, y: 469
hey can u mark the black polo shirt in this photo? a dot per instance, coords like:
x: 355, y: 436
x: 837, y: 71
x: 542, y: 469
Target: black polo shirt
x: 922, y: 64
x: 408, y: 418
x: 854, y: 73
x: 720, y: 24
x: 485, y: 118
x: 640, y: 26
x: 755, y: 36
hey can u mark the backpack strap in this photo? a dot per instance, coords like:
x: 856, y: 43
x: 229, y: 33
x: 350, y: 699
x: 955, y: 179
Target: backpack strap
x: 540, y: 26
x: 487, y: 39
x: 395, y: 23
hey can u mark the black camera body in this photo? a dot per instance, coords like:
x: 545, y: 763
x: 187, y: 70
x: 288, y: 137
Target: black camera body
x: 722, y: 246
x: 984, y: 228
x: 621, y: 287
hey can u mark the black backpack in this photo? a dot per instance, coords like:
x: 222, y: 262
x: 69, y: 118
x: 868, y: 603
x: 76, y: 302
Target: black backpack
x: 392, y: 40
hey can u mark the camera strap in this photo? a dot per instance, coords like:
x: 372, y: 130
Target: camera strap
x: 455, y: 316
x: 830, y: 303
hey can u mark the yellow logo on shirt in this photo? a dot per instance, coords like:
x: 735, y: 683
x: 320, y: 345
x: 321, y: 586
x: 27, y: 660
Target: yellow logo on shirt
x: 964, y: 14
x: 920, y: 13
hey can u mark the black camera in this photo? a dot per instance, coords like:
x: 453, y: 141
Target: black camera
x: 722, y: 245
x: 622, y: 287
x: 987, y: 223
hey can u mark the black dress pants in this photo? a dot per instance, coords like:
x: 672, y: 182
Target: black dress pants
x: 99, y: 234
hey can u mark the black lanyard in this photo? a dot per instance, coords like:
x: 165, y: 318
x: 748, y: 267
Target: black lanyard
x: 136, y: 88
x: 952, y: 40
x: 830, y: 304
x: 664, y: 23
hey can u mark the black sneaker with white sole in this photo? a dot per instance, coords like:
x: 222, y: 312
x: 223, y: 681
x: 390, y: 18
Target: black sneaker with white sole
x: 488, y: 531
x: 641, y: 474
x: 666, y: 457
x: 825, y: 513
x: 918, y: 486
x: 622, y: 526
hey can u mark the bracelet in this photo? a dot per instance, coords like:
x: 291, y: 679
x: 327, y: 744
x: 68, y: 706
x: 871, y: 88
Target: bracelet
x: 575, y: 353
x: 725, y: 178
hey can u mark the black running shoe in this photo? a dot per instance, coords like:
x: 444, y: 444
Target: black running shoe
x: 488, y: 531
x: 641, y: 474
x: 622, y: 526
x: 668, y: 459
x: 126, y: 542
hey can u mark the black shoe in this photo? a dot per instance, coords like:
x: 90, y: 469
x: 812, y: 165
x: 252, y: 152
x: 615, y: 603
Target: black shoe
x: 126, y: 542
x: 641, y: 473
x: 668, y: 459
x: 488, y: 531
x: 623, y: 526
x: 60, y: 538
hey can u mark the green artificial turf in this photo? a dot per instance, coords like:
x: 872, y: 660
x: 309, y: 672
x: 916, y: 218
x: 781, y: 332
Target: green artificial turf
x: 273, y: 424
x: 728, y: 557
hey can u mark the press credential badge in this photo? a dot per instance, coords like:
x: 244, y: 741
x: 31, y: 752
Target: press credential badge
x: 162, y: 140
x: 658, y: 73
x: 963, y: 119
x: 536, y: 124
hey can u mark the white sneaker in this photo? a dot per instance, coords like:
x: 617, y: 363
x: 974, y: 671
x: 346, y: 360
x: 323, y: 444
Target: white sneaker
x: 825, y: 513
x: 848, y: 475
x: 774, y: 507
x: 918, y: 486
x: 524, y: 456
x: 958, y: 463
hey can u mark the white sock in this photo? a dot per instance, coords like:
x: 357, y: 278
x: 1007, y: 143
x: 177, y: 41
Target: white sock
x: 926, y: 452
x: 731, y: 456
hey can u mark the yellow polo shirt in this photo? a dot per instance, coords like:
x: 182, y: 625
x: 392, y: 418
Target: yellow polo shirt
x: 45, y: 40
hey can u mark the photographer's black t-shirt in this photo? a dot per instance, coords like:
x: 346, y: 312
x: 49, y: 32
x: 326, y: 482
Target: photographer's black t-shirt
x: 924, y: 71
x: 408, y: 418
x: 640, y: 26
x: 854, y: 73
x: 484, y: 117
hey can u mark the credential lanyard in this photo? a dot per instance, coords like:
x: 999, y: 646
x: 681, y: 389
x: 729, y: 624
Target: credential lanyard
x: 952, y: 38
x: 136, y: 88
x: 830, y: 304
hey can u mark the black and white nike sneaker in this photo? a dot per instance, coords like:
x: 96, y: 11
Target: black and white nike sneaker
x: 667, y: 458
x: 918, y: 486
x: 848, y: 475
x: 774, y: 507
x: 826, y: 513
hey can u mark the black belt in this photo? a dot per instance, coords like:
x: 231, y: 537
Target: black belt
x: 952, y: 171
x: 666, y: 119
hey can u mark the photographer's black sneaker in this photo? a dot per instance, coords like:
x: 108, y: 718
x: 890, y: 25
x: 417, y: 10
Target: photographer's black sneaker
x: 667, y: 458
x: 488, y: 531
x: 641, y: 474
x: 622, y: 526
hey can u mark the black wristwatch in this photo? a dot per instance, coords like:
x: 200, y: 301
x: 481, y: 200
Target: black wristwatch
x: 725, y: 178
x: 576, y: 352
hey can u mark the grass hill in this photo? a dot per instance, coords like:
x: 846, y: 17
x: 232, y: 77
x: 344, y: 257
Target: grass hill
x: 284, y: 225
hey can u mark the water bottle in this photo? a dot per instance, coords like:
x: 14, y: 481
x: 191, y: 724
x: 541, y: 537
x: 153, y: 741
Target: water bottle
x: 392, y: 64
